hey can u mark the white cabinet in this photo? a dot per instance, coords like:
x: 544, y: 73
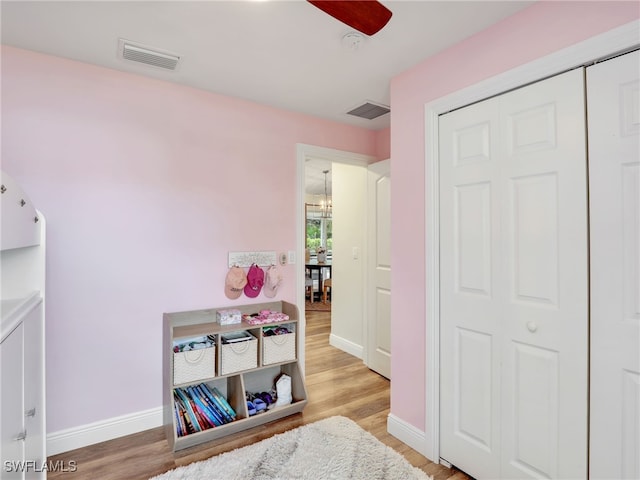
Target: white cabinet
x: 11, y: 401
x: 22, y: 430
x: 34, y: 406
x: 22, y: 379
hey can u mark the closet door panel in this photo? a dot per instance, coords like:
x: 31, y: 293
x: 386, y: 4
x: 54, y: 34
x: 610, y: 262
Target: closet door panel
x: 470, y: 298
x: 614, y: 182
x: 513, y: 271
x: 473, y: 238
x: 535, y: 397
x: 534, y: 239
x: 545, y: 322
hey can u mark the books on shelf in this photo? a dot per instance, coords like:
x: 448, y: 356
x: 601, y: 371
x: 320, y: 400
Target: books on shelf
x: 200, y: 407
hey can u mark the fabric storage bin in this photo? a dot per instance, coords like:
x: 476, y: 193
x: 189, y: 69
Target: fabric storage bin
x: 194, y: 365
x: 238, y: 356
x: 279, y: 348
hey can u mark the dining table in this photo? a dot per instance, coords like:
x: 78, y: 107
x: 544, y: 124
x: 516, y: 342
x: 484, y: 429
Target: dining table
x: 320, y: 268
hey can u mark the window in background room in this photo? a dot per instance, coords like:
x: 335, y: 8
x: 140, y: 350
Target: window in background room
x: 318, y: 229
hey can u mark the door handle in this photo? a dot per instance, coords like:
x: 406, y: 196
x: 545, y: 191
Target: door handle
x: 532, y: 326
x: 21, y: 436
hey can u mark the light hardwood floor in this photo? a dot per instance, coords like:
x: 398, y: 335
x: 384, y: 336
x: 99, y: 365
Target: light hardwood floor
x: 337, y: 384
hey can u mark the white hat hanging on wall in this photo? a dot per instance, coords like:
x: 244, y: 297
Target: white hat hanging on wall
x: 255, y: 281
x: 273, y: 280
x: 235, y: 282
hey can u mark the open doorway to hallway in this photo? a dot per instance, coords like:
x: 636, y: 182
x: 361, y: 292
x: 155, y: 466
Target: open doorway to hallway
x: 347, y: 198
x: 318, y: 226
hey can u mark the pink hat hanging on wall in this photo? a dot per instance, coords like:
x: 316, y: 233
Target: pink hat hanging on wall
x: 273, y: 280
x: 235, y: 282
x: 255, y: 281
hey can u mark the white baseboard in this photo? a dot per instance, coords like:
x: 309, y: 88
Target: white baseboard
x: 408, y: 434
x: 346, y: 345
x: 84, y: 435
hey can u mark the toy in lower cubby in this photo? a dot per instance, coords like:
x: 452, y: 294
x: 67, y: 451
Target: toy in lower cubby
x: 260, y: 402
x: 200, y: 407
x: 278, y: 396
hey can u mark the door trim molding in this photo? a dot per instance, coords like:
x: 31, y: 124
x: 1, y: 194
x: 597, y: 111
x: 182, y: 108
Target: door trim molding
x: 601, y: 46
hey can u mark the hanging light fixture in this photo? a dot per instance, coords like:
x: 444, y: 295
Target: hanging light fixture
x: 326, y: 205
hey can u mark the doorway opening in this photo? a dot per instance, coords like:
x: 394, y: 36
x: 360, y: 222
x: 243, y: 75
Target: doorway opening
x: 318, y: 210
x: 332, y: 160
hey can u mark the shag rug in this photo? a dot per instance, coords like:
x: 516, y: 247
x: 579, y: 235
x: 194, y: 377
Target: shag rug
x: 333, y: 448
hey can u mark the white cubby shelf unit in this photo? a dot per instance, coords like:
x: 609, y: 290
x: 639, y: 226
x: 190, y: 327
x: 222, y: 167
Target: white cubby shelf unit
x: 257, y: 376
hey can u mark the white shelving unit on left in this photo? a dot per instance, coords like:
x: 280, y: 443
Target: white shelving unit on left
x: 22, y: 339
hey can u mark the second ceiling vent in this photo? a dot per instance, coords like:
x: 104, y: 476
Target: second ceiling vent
x: 136, y: 52
x: 369, y: 110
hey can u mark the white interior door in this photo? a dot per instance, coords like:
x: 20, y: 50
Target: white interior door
x: 613, y: 96
x: 513, y: 267
x: 379, y: 268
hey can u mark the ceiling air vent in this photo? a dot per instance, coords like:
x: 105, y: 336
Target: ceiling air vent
x: 369, y: 111
x: 136, y: 52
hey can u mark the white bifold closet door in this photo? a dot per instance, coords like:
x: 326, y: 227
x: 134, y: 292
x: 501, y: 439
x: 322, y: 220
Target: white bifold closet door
x: 514, y: 283
x: 613, y: 98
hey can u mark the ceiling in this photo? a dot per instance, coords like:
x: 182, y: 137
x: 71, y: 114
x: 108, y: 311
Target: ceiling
x: 287, y: 54
x: 314, y: 179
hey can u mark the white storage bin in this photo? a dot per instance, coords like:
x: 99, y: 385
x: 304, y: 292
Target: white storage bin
x: 239, y: 356
x: 278, y: 348
x: 194, y: 365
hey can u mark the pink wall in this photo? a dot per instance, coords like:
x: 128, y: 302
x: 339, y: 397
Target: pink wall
x: 383, y: 143
x: 534, y: 32
x: 146, y: 186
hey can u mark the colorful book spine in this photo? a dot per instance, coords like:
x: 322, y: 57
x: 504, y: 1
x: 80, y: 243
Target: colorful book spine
x: 210, y: 405
x: 211, y: 414
x: 210, y: 417
x: 176, y: 413
x: 200, y: 407
x: 202, y: 423
x: 223, y: 402
x: 192, y: 415
x: 185, y: 423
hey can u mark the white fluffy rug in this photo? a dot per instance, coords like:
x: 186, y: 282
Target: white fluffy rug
x: 334, y: 448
